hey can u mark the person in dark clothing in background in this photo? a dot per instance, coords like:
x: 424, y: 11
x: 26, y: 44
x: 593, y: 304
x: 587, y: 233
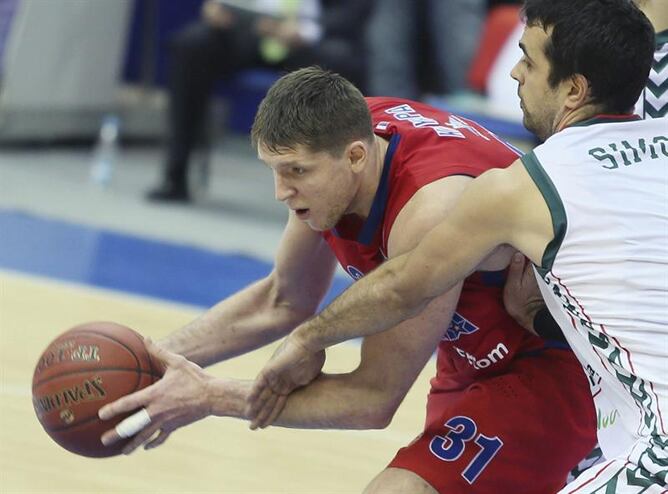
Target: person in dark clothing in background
x: 286, y: 35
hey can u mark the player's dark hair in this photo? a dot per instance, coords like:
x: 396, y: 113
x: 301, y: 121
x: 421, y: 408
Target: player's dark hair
x: 314, y: 108
x: 610, y: 42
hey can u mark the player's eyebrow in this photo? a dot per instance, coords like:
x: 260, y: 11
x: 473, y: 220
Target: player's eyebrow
x: 524, y: 50
x: 283, y: 164
x: 288, y: 164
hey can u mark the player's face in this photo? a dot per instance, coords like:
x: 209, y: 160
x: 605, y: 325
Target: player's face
x: 318, y: 187
x: 540, y: 103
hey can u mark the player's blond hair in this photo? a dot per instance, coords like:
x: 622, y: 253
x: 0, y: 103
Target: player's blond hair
x: 314, y: 108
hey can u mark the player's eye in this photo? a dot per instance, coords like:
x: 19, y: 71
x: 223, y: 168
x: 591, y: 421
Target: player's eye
x: 298, y: 170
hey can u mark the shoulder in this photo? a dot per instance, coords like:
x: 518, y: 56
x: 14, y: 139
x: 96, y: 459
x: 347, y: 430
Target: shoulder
x: 423, y: 211
x: 499, y: 196
x: 493, y: 197
x: 501, y: 187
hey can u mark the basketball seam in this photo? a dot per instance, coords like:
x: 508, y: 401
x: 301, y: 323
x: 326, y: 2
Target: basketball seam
x: 148, y: 356
x: 95, y: 417
x: 150, y: 365
x: 137, y: 368
x: 94, y: 370
x: 84, y: 331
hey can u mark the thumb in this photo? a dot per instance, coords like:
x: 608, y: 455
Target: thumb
x: 165, y: 357
x: 516, y: 268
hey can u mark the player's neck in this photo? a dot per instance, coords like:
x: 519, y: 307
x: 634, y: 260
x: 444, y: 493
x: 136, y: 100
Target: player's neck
x: 371, y: 179
x: 571, y: 117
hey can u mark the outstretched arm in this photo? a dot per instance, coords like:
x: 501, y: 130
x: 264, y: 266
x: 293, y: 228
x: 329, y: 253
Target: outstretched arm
x: 266, y: 310
x: 368, y: 397
x: 257, y: 315
x: 499, y: 207
x: 365, y: 398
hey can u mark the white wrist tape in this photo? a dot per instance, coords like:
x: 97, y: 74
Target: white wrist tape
x: 133, y: 424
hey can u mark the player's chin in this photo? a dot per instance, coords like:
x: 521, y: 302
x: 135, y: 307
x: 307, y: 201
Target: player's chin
x: 315, y: 223
x: 315, y: 227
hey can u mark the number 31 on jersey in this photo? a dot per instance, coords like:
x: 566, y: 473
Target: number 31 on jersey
x: 461, y: 431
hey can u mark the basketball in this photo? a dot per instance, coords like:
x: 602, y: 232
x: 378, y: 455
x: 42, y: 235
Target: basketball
x: 83, y: 369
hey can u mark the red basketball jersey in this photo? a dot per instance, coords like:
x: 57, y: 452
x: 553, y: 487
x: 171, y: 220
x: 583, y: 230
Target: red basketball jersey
x: 426, y: 145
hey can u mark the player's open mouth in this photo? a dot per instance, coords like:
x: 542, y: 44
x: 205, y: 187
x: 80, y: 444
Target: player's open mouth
x: 302, y: 213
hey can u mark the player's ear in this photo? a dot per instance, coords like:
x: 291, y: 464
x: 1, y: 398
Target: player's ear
x: 579, y: 91
x: 358, y: 154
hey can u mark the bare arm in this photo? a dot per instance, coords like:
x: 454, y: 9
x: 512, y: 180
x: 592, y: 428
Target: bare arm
x: 265, y: 310
x: 499, y: 207
x: 521, y: 295
x: 366, y: 398
x: 391, y: 361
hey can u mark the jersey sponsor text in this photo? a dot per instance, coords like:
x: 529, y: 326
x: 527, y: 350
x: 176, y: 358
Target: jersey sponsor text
x: 496, y: 355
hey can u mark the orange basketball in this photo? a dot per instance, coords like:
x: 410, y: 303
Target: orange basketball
x: 80, y: 371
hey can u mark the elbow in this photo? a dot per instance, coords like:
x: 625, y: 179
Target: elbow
x: 377, y: 416
x: 373, y: 419
x: 281, y: 300
x: 383, y: 418
x: 404, y: 292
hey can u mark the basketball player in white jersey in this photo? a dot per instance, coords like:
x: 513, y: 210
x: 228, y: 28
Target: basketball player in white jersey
x: 522, y: 296
x: 589, y: 208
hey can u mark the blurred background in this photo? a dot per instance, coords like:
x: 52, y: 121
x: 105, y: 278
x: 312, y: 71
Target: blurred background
x: 132, y: 116
x: 129, y: 190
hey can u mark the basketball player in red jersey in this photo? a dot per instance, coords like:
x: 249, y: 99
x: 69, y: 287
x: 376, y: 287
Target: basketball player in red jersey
x: 508, y: 412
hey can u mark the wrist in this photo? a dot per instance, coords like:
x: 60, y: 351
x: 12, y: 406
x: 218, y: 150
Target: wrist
x: 227, y: 397
x: 305, y: 338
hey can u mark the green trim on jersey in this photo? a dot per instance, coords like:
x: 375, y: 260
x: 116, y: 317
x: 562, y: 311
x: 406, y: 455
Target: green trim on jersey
x: 661, y: 38
x: 603, y: 119
x: 556, y: 207
x: 655, y: 96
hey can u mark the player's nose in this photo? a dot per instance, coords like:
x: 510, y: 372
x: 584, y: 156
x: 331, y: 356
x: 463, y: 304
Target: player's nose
x: 282, y: 190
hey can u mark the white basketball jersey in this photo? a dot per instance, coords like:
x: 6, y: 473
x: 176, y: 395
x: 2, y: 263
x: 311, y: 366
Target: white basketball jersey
x: 605, y: 275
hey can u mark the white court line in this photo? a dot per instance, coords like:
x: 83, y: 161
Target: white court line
x: 126, y: 296
x: 15, y: 390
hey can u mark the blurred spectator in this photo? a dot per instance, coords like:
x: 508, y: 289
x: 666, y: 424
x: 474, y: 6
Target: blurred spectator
x: 288, y: 34
x: 402, y: 33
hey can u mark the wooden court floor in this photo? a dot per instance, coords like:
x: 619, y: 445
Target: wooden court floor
x: 215, y: 455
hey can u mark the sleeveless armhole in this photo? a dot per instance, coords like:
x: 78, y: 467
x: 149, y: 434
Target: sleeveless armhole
x: 556, y: 207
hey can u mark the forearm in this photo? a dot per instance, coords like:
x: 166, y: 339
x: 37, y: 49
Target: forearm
x: 401, y: 287
x: 241, y: 323
x: 394, y: 292
x: 338, y: 401
x: 332, y: 401
x: 372, y: 304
